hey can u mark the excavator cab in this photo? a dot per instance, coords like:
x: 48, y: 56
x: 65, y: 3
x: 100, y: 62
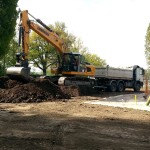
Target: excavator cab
x: 71, y: 62
x: 74, y: 64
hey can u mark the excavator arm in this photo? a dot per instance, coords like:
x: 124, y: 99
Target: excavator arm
x: 21, y: 68
x: 43, y: 30
x: 71, y: 63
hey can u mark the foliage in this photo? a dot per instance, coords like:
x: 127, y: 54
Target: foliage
x: 147, y: 73
x: 8, y: 16
x: 74, y: 44
x: 44, y: 55
x: 11, y: 55
x: 41, y: 52
x: 89, y: 57
x: 147, y: 45
x: 95, y: 60
x: 2, y: 71
x: 9, y: 59
x: 68, y: 38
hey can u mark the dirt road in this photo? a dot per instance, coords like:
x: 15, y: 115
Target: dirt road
x: 72, y: 125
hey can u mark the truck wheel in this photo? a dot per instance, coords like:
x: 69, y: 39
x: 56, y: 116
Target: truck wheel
x: 113, y: 86
x: 137, y: 87
x: 120, y: 87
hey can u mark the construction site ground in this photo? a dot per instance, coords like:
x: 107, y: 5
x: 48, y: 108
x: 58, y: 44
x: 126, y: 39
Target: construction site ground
x: 73, y: 124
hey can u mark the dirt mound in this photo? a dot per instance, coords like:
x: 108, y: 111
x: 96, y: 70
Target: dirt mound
x: 12, y: 91
x: 38, y: 90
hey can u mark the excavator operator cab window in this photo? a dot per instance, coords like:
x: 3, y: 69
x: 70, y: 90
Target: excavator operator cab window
x: 71, y: 62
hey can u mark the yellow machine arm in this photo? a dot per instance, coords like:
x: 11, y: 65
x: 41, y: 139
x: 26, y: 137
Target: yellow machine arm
x: 21, y: 68
x: 67, y: 67
x: 44, y: 32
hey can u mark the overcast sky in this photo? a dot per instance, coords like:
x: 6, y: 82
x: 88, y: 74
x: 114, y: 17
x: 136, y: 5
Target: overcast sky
x: 113, y: 29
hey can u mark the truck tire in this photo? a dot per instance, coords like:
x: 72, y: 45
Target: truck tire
x: 113, y: 86
x: 137, y: 87
x: 120, y: 87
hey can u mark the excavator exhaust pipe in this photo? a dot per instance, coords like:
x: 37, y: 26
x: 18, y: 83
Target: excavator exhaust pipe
x: 21, y: 73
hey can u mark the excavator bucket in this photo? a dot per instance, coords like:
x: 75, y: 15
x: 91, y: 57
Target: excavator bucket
x: 21, y: 73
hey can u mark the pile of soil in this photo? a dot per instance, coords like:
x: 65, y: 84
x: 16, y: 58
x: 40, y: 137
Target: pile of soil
x: 38, y: 90
x: 12, y: 91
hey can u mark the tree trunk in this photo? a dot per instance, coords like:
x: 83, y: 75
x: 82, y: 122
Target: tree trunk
x: 44, y: 67
x: 44, y: 71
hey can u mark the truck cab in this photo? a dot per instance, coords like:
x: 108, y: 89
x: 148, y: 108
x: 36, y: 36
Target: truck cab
x: 139, y: 73
x: 138, y: 77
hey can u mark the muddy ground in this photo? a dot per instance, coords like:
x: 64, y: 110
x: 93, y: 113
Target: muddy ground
x: 72, y: 124
x: 42, y: 116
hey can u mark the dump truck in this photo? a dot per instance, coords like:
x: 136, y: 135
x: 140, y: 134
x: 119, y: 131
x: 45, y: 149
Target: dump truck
x: 117, y: 79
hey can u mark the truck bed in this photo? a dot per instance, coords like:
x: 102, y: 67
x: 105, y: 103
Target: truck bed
x: 114, y: 73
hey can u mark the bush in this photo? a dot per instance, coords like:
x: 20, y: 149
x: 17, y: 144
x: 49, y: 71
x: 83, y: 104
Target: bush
x: 2, y: 71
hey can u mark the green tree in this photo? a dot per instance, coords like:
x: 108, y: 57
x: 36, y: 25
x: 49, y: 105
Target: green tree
x: 147, y: 46
x: 68, y: 38
x: 93, y: 58
x: 147, y: 73
x: 44, y: 55
x: 74, y: 44
x: 8, y: 16
x: 77, y: 46
x: 9, y: 59
x: 2, y: 71
x: 11, y: 55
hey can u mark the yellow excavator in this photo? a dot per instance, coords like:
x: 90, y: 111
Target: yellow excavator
x: 72, y: 68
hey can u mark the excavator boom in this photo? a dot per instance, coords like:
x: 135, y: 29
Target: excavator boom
x: 70, y: 64
x: 21, y: 69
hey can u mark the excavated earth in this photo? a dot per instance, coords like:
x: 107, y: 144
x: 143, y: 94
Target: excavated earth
x: 12, y: 91
x: 37, y: 90
x: 61, y: 123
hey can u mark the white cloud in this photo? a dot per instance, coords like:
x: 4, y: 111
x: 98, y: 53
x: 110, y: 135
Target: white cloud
x: 113, y: 29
